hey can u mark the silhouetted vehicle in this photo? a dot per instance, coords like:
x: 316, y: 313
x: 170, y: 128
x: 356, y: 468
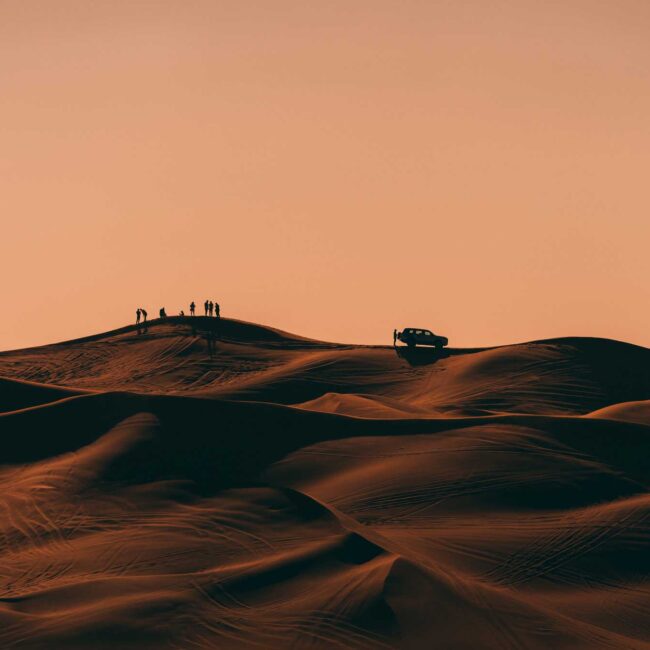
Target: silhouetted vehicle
x: 412, y: 337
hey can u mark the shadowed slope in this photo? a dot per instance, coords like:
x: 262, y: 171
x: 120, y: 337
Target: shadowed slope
x: 16, y: 394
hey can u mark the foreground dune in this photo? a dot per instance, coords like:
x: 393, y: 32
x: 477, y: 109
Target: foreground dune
x: 190, y: 486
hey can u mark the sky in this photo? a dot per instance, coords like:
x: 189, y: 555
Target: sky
x: 333, y: 168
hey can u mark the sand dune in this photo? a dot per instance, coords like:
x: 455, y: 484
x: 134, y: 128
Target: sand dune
x: 192, y: 487
x: 638, y: 411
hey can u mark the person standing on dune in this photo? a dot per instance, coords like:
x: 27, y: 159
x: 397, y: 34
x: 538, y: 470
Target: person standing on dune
x: 144, y: 314
x: 210, y: 308
x: 206, y: 304
x: 137, y: 316
x: 394, y: 338
x: 217, y: 310
x: 192, y: 308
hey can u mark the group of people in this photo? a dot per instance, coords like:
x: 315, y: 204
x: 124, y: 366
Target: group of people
x: 211, y: 308
x: 210, y: 331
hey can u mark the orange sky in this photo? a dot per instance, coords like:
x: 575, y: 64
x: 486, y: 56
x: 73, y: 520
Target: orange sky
x: 333, y: 168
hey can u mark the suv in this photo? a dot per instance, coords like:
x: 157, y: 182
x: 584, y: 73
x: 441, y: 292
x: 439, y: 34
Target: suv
x: 412, y: 337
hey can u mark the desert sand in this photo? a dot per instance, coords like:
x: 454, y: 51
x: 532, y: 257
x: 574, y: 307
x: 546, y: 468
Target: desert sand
x: 248, y: 488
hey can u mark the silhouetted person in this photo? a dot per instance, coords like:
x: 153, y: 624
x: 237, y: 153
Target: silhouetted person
x: 162, y: 313
x: 137, y: 316
x: 210, y: 308
x: 144, y: 314
x: 206, y: 304
x: 217, y: 310
x: 394, y: 338
x: 192, y: 308
x: 182, y: 313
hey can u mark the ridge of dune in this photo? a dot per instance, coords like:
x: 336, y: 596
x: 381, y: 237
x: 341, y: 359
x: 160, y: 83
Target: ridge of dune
x: 176, y: 489
x: 635, y: 411
x: 251, y: 362
x: 231, y: 327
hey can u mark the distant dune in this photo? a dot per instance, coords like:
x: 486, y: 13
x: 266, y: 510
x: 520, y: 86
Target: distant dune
x: 205, y: 484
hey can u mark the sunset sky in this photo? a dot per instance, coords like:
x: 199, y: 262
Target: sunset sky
x: 334, y: 168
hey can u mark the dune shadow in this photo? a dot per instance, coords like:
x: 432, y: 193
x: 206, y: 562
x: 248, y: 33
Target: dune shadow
x: 421, y: 356
x: 207, y: 328
x: 211, y: 341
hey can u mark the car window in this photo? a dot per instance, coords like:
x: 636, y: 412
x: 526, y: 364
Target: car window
x: 427, y: 333
x: 419, y: 332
